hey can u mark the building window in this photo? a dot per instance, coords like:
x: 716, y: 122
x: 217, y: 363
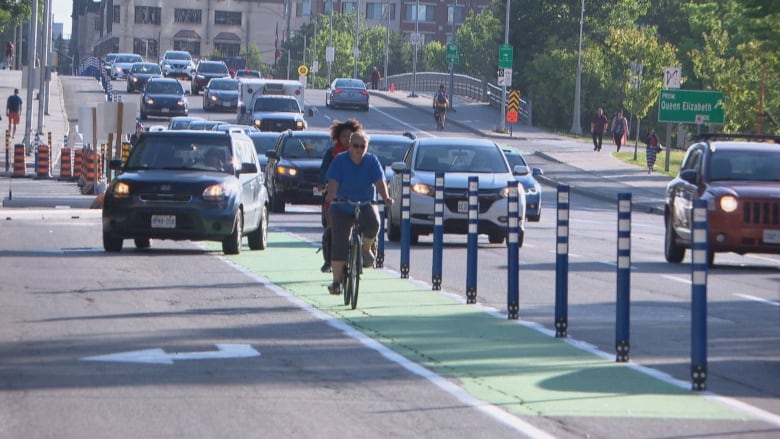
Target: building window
x: 193, y: 47
x: 378, y: 11
x: 192, y: 16
x: 146, y: 48
x: 327, y: 7
x: 347, y: 7
x: 426, y: 14
x: 115, y: 14
x: 227, y: 49
x: 455, y: 13
x: 303, y: 8
x: 227, y: 17
x: 147, y: 15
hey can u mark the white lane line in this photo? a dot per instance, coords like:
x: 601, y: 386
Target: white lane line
x: 682, y: 280
x: 757, y: 299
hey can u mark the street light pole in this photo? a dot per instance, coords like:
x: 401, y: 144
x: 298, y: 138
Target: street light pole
x: 387, y: 42
x: 576, y: 126
x: 416, y: 44
x: 502, y: 114
x: 356, y: 53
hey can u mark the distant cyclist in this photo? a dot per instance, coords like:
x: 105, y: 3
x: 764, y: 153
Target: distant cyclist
x: 440, y: 104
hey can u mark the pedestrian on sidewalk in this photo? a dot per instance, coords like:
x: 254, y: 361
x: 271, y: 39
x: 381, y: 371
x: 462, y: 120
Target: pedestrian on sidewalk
x: 619, y: 129
x: 652, y: 150
x: 375, y: 77
x: 13, y: 108
x: 9, y: 55
x: 598, y: 125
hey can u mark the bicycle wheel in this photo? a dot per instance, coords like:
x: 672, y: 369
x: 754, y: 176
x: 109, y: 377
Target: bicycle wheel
x: 345, y: 287
x: 357, y: 264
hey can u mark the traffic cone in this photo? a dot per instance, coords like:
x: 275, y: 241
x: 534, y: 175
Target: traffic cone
x: 392, y: 87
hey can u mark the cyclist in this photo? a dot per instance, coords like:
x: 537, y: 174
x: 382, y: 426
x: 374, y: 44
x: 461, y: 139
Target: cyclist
x: 339, y: 133
x: 353, y: 175
x: 440, y: 104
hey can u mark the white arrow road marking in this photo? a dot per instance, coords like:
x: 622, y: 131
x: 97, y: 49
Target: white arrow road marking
x: 159, y: 356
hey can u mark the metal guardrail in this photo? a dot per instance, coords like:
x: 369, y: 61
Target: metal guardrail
x: 466, y: 86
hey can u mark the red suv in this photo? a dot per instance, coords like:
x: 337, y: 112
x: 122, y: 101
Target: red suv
x: 739, y: 177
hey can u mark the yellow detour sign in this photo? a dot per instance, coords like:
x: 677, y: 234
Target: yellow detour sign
x: 513, y: 106
x: 303, y: 70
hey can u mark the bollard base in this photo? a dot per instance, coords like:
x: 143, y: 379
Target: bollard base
x: 513, y: 311
x: 380, y: 261
x: 436, y: 283
x: 622, y: 347
x: 561, y: 325
x: 405, y: 272
x: 699, y: 378
x: 471, y: 296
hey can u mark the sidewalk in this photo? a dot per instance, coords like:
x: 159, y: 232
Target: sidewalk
x: 574, y: 163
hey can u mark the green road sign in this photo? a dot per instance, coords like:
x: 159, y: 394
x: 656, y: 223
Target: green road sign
x: 691, y: 106
x: 453, y: 53
x: 505, y: 56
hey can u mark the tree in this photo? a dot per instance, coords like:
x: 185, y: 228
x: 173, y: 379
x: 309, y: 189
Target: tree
x: 478, y: 38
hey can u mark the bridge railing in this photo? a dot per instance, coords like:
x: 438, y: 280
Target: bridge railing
x: 465, y: 86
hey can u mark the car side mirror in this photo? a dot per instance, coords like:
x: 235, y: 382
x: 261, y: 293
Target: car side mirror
x: 689, y: 175
x: 537, y: 172
x: 271, y: 154
x: 520, y: 170
x: 398, y: 166
x: 186, y: 92
x: 115, y: 164
x: 248, y: 168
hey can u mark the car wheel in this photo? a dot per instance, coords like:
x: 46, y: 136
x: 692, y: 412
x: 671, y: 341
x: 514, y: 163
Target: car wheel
x: 496, y: 238
x: 277, y: 204
x: 365, y: 108
x: 112, y: 243
x: 231, y: 245
x: 393, y: 231
x: 142, y: 243
x: 258, y: 240
x: 673, y: 251
x: 710, y: 258
x: 520, y: 238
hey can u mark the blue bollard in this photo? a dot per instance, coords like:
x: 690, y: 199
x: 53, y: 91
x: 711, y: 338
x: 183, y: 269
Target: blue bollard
x: 438, y: 232
x: 380, y: 241
x: 562, y: 263
x: 699, y: 250
x: 406, y: 222
x: 513, y: 251
x: 622, y: 339
x: 472, y: 242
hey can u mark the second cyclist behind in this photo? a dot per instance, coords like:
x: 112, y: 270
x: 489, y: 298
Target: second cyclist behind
x: 353, y: 175
x: 440, y: 102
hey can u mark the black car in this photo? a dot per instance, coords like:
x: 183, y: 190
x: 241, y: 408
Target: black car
x: 263, y: 140
x: 276, y: 113
x: 205, y: 72
x: 187, y: 185
x: 221, y: 95
x: 164, y: 97
x: 292, y: 172
x: 139, y: 75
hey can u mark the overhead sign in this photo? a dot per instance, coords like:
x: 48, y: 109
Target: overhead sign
x: 303, y: 70
x: 159, y: 356
x: 505, y: 56
x: 691, y: 106
x: 505, y: 76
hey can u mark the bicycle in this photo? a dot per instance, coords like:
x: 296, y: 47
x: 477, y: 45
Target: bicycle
x: 353, y: 266
x: 440, y: 117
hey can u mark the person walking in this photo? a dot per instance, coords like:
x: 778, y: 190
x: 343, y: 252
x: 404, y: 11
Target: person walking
x: 13, y: 109
x: 652, y: 150
x: 9, y: 55
x: 375, y: 77
x: 598, y: 125
x: 619, y: 129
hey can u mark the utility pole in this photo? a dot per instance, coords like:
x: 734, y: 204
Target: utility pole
x: 502, y: 115
x: 32, y: 45
x: 356, y: 52
x: 576, y: 126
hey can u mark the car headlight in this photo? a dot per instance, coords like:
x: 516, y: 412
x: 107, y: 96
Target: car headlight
x: 118, y: 68
x: 258, y: 123
x: 150, y: 101
x: 423, y: 189
x: 728, y: 203
x: 219, y: 192
x: 213, y: 98
x: 532, y: 190
x: 180, y: 102
x: 134, y: 79
x: 286, y: 170
x: 299, y: 124
x: 121, y: 191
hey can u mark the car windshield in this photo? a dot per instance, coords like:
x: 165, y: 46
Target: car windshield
x: 248, y: 73
x: 389, y: 151
x: 302, y: 147
x: 164, y: 87
x: 213, y: 68
x: 223, y: 85
x: 204, y: 125
x: 745, y: 166
x: 128, y: 58
x: 283, y: 105
x: 146, y: 68
x: 178, y: 55
x: 181, y: 153
x: 476, y: 159
x: 350, y: 83
x: 180, y: 124
x: 515, y: 159
x: 264, y: 143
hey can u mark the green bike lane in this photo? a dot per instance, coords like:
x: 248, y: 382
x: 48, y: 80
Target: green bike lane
x: 505, y: 363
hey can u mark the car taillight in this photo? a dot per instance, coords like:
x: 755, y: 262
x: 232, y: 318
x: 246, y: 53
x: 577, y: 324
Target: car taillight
x: 337, y: 91
x: 364, y: 92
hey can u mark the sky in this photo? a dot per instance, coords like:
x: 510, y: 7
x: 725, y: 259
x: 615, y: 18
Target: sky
x: 61, y: 9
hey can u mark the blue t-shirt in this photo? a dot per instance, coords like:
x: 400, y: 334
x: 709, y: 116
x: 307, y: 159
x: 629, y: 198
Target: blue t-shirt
x: 14, y: 104
x: 355, y: 181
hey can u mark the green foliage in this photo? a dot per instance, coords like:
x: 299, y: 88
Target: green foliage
x: 479, y: 38
x: 13, y: 13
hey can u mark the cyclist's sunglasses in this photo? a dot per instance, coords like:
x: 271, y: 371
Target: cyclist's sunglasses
x: 359, y: 145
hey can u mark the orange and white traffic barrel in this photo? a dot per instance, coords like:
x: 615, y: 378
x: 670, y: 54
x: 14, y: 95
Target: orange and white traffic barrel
x: 66, y: 164
x: 43, y: 162
x: 20, y: 161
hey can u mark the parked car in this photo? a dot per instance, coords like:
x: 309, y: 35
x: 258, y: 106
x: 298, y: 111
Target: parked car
x: 738, y: 175
x: 184, y: 185
x: 292, y: 172
x: 120, y: 67
x: 221, y: 94
x: 347, y: 92
x: 140, y: 73
x: 181, y: 122
x: 276, y: 113
x: 177, y: 63
x: 532, y: 188
x: 457, y: 158
x: 164, y: 97
x: 205, y: 72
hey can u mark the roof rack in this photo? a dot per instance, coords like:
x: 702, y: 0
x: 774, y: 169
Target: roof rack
x: 718, y: 136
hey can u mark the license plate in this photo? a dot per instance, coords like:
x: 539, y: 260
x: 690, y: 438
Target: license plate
x: 226, y: 104
x: 317, y: 192
x: 463, y: 206
x: 772, y: 236
x: 163, y: 221
x: 165, y: 110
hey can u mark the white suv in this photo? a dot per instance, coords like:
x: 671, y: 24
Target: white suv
x: 177, y: 63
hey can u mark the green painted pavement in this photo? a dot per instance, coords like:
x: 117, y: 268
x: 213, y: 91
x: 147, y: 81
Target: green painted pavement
x: 498, y: 361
